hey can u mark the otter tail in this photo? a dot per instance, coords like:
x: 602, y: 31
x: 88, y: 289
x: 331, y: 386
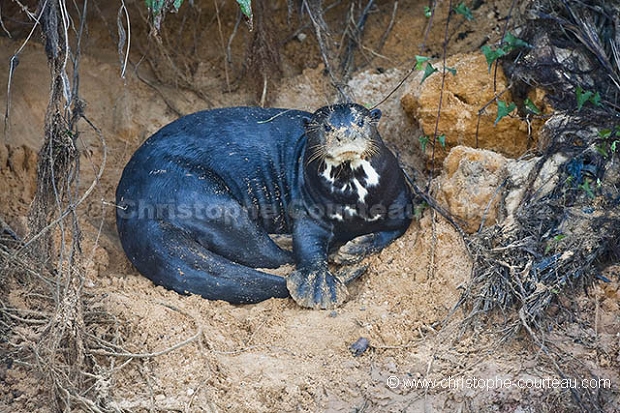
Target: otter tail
x: 177, y: 262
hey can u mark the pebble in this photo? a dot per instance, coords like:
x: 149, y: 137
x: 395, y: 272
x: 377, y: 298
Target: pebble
x: 359, y: 347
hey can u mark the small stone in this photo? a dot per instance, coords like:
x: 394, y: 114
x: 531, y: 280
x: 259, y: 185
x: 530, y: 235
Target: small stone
x: 360, y: 346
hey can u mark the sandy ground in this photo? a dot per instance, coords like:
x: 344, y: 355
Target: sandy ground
x: 194, y: 355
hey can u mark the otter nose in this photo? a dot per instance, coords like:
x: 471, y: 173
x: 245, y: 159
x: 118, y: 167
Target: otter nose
x: 343, y: 135
x: 347, y: 133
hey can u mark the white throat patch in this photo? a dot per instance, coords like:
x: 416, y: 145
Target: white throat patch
x: 371, y: 177
x: 327, y: 172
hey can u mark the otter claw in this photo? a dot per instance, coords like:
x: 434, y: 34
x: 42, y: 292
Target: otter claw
x: 316, y: 288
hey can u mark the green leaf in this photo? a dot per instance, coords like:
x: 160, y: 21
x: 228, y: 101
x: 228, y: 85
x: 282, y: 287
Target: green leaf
x: 418, y: 210
x: 153, y: 5
x: 585, y: 186
x: 419, y: 62
x: 596, y: 99
x: 604, y: 133
x: 492, y: 55
x: 246, y: 8
x: 601, y: 150
x: 428, y: 70
x: 465, y: 11
x: 582, y: 97
x: 451, y: 70
x: 513, y: 42
x: 442, y: 140
x: 531, y: 107
x: 428, y: 12
x: 554, y: 242
x: 504, y: 109
x: 158, y: 8
x: 423, y: 142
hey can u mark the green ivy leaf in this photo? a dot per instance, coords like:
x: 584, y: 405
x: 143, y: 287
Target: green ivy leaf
x: 423, y: 142
x: 601, y: 150
x: 465, y: 11
x: 513, y: 42
x: 158, y: 9
x: 492, y: 55
x: 585, y: 186
x: 154, y: 5
x: 582, y: 97
x: 428, y: 70
x: 419, y: 62
x: 442, y: 140
x: 418, y: 210
x: 556, y: 240
x: 246, y: 8
x: 451, y: 70
x: 504, y: 109
x: 605, y: 135
x: 531, y: 107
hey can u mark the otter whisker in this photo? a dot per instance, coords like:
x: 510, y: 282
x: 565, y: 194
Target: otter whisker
x: 316, y: 152
x: 372, y: 150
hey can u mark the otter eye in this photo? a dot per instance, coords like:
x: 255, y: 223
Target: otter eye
x: 360, y: 122
x: 328, y: 128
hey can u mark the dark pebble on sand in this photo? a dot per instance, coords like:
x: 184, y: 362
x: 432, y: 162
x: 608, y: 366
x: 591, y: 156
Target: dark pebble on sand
x: 359, y: 347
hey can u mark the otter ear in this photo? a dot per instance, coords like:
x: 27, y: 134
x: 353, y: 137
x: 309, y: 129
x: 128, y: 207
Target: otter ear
x: 375, y: 114
x: 305, y: 120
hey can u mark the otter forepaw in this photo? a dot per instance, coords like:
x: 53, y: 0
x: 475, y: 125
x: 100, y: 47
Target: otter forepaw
x: 349, y: 274
x: 316, y: 288
x: 353, y: 251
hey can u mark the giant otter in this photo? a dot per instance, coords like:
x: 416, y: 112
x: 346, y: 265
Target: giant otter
x: 198, y: 200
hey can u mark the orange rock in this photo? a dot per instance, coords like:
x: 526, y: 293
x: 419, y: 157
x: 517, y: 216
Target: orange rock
x: 469, y: 186
x: 466, y: 94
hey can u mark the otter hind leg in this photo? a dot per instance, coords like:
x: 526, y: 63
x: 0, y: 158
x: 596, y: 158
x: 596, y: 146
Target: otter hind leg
x: 169, y: 256
x: 226, y: 229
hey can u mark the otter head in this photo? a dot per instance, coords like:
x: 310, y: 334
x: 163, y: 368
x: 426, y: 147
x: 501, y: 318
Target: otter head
x: 342, y: 133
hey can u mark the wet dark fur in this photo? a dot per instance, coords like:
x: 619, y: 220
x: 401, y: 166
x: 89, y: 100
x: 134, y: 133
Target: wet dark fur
x: 197, y: 201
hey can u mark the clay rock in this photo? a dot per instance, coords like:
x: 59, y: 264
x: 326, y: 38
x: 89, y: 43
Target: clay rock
x: 469, y: 187
x: 465, y: 94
